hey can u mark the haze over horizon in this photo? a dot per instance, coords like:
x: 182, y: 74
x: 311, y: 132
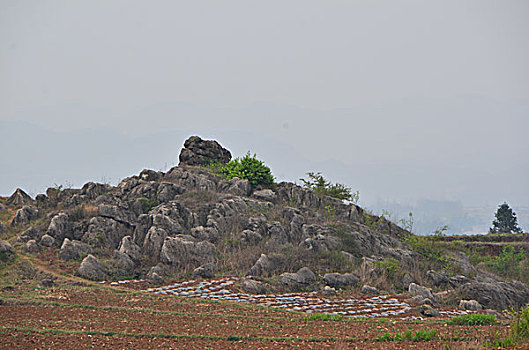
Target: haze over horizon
x: 404, y: 101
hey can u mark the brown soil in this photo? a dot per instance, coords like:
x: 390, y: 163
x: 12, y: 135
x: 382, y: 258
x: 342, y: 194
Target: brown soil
x: 69, y: 316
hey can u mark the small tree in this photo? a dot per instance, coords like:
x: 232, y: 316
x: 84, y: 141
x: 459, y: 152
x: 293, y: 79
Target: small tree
x: 319, y: 185
x: 249, y: 168
x: 505, y: 221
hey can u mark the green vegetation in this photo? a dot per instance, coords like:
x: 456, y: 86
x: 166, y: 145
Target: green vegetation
x: 519, y: 331
x: 147, y: 204
x: 323, y: 317
x: 472, y: 320
x: 248, y: 168
x: 390, y: 265
x: 508, y: 263
x: 320, y: 186
x: 420, y: 335
x: 505, y: 221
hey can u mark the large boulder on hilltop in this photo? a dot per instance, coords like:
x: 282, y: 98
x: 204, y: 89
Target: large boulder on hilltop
x: 19, y: 198
x: 25, y: 215
x: 203, y: 152
x: 180, y: 252
x: 92, y: 269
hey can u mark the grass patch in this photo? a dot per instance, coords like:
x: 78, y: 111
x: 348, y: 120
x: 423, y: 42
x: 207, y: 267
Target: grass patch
x: 472, y: 320
x: 323, y: 317
x: 420, y: 335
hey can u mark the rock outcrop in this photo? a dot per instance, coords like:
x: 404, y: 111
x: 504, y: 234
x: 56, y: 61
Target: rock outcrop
x: 19, y: 198
x: 203, y: 152
x: 92, y: 269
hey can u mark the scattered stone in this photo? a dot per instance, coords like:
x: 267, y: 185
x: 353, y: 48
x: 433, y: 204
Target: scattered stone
x: 369, y: 290
x: 19, y: 198
x: 203, y: 152
x: 253, y: 286
x: 6, y: 251
x: 321, y: 243
x: 472, y: 305
x: 92, y: 269
x: 201, y: 233
x: 250, y: 237
x: 338, y: 280
x: 206, y: 271
x: 329, y: 291
x: 429, y: 311
x: 32, y: 247
x: 47, y: 241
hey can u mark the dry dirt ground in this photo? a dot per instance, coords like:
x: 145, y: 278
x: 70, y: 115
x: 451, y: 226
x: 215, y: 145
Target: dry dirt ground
x: 80, y: 315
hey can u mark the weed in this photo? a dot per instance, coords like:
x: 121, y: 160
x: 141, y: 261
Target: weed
x: 472, y: 320
x: 323, y: 317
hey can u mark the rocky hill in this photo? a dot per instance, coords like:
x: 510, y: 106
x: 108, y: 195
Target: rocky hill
x: 190, y: 221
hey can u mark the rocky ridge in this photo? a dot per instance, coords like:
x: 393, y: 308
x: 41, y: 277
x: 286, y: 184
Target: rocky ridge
x: 160, y: 225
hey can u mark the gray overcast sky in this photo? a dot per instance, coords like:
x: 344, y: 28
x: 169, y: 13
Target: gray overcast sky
x: 400, y: 99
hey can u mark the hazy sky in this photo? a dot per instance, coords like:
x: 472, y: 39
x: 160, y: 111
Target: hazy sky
x: 400, y: 99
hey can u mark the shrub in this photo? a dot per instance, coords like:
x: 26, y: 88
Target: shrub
x: 248, y: 168
x: 472, y: 320
x: 320, y: 186
x: 508, y: 263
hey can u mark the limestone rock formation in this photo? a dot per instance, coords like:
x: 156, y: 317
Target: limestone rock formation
x: 19, y: 198
x: 202, y: 152
x: 92, y: 269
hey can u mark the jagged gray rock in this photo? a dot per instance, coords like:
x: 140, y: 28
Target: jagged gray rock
x: 369, y: 290
x: 495, y: 294
x: 6, y: 251
x: 3, y: 229
x: 203, y: 152
x: 472, y: 305
x: 299, y: 280
x: 92, y: 269
x: 206, y: 271
x: 73, y: 250
x: 19, y: 198
x: 254, y: 287
x: 338, y: 280
x: 25, y: 215
x: 47, y: 240
x: 30, y: 233
x: 130, y: 248
x: 415, y: 289
x: 250, y: 237
x: 180, y: 252
x: 321, y: 243
x: 60, y: 227
x: 154, y: 241
x: 265, y: 195
x: 201, y: 233
x: 32, y: 247
x: 124, y: 264
x: 264, y: 266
